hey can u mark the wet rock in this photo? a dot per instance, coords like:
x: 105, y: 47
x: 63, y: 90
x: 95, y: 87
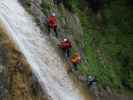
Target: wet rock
x: 100, y: 93
x: 16, y: 74
x: 3, y: 83
x: 71, y: 23
x: 34, y: 7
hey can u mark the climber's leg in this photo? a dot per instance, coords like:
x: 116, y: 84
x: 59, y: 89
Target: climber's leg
x: 49, y: 29
x: 55, y: 30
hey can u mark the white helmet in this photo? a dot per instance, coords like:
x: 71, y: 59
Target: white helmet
x: 53, y: 14
x: 65, y: 39
x: 90, y: 77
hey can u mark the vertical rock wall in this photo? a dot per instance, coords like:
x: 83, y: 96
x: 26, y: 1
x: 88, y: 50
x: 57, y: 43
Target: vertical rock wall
x: 16, y: 79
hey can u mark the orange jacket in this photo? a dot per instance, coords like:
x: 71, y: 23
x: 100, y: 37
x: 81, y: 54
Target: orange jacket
x: 75, y: 59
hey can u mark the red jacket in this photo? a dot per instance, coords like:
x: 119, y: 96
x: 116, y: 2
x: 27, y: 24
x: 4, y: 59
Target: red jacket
x: 52, y: 21
x: 65, y: 45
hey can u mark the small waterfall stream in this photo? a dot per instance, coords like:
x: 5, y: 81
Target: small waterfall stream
x: 46, y: 64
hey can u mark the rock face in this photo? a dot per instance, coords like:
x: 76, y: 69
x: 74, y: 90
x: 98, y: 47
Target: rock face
x: 100, y: 93
x: 34, y: 7
x: 16, y: 79
x: 68, y: 25
x: 3, y: 83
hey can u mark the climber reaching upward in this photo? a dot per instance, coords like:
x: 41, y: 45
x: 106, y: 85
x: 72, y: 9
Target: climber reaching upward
x: 52, y: 24
x: 66, y: 45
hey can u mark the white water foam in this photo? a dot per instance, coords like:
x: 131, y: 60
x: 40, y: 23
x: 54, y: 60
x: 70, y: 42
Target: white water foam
x: 45, y: 63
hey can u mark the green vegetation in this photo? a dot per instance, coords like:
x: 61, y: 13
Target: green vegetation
x: 108, y: 45
x: 107, y: 41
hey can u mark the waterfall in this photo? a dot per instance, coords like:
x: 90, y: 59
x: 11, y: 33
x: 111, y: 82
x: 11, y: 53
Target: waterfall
x: 45, y: 63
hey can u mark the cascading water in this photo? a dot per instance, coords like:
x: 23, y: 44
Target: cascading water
x: 45, y: 63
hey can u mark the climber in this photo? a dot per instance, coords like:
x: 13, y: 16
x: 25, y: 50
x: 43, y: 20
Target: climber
x: 52, y: 24
x: 66, y: 46
x: 75, y: 60
x: 91, y: 80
